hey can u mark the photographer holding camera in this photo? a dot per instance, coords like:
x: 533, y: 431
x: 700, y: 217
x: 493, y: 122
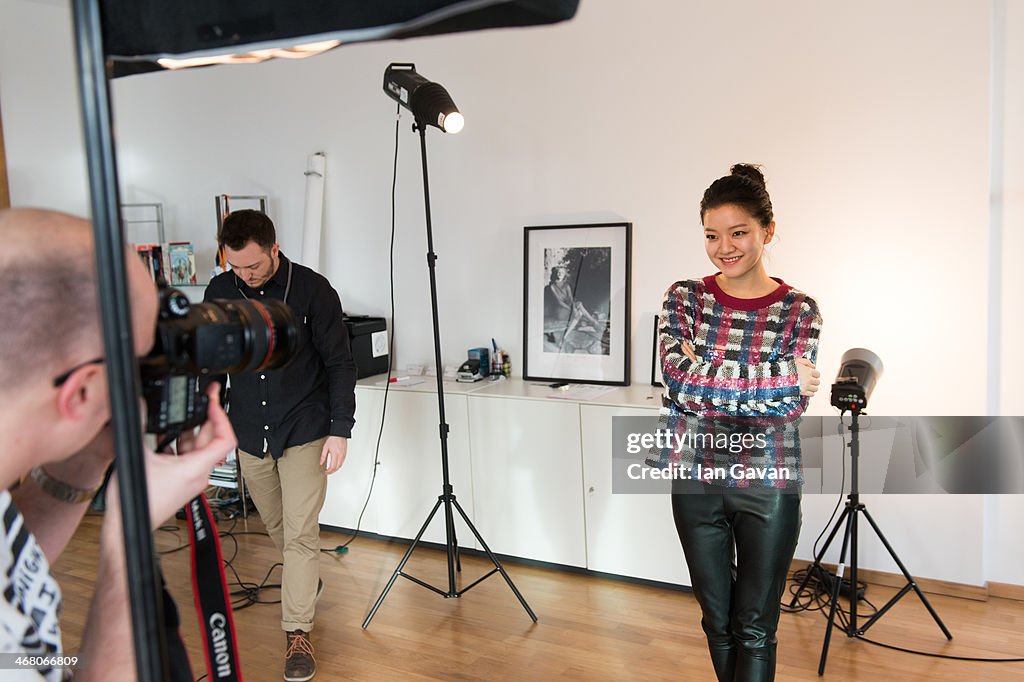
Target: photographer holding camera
x: 53, y: 419
x: 293, y: 423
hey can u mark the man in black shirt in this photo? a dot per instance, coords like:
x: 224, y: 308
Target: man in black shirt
x: 293, y: 423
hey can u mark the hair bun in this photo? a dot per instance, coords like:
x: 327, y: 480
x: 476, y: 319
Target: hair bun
x: 750, y: 172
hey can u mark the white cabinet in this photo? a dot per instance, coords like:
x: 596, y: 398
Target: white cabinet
x: 627, y: 534
x: 533, y: 474
x: 527, y: 477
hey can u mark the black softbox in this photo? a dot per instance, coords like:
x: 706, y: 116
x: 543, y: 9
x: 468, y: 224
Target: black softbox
x: 137, y: 33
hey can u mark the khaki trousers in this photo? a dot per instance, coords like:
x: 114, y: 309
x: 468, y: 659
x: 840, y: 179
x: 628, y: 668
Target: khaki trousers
x: 289, y: 493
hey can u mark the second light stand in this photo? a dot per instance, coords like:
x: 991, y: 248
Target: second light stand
x: 447, y: 497
x: 853, y: 508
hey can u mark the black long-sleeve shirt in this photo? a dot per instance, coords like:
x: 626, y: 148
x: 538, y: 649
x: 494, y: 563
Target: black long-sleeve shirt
x: 314, y: 395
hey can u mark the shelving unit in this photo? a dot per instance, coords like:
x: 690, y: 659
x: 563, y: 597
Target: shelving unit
x: 143, y: 223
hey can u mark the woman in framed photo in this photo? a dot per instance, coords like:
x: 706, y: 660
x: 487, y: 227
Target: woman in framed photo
x: 568, y: 325
x: 737, y: 353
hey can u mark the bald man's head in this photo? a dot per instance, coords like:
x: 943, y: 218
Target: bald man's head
x: 49, y: 315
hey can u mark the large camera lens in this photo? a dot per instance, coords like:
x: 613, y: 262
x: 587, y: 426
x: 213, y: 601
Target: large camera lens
x: 222, y: 337
x: 243, y: 336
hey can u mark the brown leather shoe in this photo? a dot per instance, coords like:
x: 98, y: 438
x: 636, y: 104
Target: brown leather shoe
x: 299, y: 664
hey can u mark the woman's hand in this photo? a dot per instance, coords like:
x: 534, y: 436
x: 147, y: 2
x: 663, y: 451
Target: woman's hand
x: 810, y: 378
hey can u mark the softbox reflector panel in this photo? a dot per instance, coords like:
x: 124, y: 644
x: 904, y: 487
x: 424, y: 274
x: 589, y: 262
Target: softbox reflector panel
x: 147, y: 30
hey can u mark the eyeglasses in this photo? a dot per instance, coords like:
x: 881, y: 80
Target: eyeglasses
x: 60, y: 380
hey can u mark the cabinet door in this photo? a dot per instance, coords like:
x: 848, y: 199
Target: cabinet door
x: 409, y: 479
x: 346, y: 488
x: 627, y: 534
x: 527, y: 478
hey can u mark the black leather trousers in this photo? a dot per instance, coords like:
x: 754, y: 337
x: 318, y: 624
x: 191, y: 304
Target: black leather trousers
x: 739, y: 602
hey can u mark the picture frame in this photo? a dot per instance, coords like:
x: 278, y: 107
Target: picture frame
x: 655, y: 359
x: 576, y: 303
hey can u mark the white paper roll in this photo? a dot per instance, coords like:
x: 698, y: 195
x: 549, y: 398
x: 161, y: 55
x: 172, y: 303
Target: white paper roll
x: 312, y: 224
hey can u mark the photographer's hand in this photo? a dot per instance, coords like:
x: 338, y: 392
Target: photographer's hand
x: 810, y: 378
x: 333, y: 454
x: 174, y: 480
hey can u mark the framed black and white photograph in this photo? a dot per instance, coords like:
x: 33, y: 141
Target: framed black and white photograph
x: 576, y: 294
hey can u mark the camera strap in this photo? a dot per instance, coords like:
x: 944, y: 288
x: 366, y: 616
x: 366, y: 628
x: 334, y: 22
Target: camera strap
x: 213, y: 603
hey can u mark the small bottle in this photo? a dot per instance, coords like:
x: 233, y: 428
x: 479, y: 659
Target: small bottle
x: 506, y: 365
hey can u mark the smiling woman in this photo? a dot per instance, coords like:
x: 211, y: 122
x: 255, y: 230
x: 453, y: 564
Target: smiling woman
x: 737, y: 356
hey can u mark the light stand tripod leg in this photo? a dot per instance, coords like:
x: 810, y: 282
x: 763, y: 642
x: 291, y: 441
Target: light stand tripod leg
x: 911, y: 584
x: 834, y: 597
x: 401, y: 565
x: 816, y: 566
x: 453, y: 541
x: 494, y: 560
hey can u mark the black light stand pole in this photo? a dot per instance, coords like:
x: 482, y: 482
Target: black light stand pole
x: 447, y: 497
x: 146, y: 605
x: 451, y: 544
x: 853, y: 505
x: 850, y: 540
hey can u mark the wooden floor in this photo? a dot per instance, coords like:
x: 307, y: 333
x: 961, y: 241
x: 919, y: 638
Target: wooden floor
x: 590, y: 628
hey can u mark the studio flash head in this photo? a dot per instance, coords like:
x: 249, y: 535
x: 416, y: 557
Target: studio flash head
x: 429, y: 102
x: 859, y: 371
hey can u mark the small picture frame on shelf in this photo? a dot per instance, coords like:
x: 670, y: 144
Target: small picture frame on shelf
x: 576, y: 303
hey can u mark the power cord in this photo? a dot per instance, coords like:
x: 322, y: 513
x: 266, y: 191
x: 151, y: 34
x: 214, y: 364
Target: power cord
x: 247, y: 593
x: 343, y: 548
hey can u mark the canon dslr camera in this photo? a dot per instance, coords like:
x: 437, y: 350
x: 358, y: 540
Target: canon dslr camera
x: 195, y: 341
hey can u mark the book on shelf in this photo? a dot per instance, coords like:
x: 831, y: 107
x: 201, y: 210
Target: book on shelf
x: 181, y: 263
x: 158, y: 264
x: 225, y: 472
x: 154, y: 257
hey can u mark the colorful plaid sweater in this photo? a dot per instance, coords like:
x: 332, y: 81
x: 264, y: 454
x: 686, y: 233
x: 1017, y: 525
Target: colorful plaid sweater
x: 745, y: 378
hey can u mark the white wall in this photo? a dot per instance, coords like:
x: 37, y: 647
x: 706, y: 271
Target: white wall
x: 872, y: 121
x: 42, y: 116
x: 1004, y: 557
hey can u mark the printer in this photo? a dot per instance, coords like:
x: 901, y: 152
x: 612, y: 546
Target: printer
x: 368, y: 337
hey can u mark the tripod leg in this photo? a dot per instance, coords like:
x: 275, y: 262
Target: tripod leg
x: 834, y: 600
x: 816, y: 566
x: 910, y: 581
x: 455, y: 543
x: 494, y: 560
x: 401, y: 564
